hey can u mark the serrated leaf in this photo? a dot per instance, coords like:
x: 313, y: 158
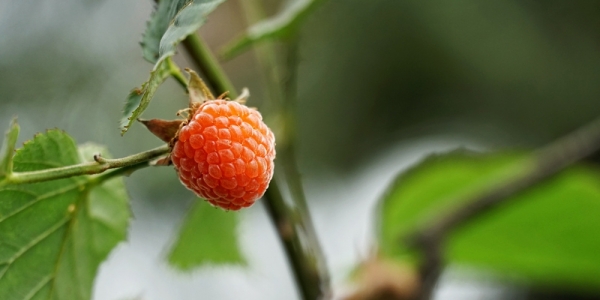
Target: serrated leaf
x: 187, y: 21
x: 208, y: 236
x: 281, y: 25
x: 54, y: 234
x: 139, y: 98
x: 158, y: 24
x: 7, y: 149
x: 546, y: 234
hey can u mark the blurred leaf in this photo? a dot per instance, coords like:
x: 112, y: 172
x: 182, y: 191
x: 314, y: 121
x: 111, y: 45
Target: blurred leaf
x: 54, y: 234
x: 139, y: 98
x: 278, y: 26
x: 208, y: 235
x: 158, y: 24
x: 189, y: 17
x: 546, y: 234
x: 7, y: 149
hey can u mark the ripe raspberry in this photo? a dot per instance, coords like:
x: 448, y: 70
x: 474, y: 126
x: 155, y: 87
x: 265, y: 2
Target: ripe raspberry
x: 225, y: 154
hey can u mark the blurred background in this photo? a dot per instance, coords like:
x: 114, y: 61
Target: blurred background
x: 381, y: 85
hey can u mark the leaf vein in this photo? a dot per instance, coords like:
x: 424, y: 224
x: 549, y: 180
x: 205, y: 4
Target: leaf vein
x: 40, y: 198
x: 33, y: 243
x: 36, y: 289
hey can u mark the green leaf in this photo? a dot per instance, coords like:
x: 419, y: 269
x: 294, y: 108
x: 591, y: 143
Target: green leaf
x: 158, y: 24
x: 188, y: 19
x: 547, y: 234
x: 139, y: 98
x: 7, y: 149
x: 281, y: 25
x: 54, y: 234
x: 208, y: 235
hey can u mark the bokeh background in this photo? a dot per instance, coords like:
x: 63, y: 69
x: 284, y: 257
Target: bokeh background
x: 381, y: 84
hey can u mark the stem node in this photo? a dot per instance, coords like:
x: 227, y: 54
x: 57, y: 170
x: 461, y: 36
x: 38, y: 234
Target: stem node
x: 99, y: 159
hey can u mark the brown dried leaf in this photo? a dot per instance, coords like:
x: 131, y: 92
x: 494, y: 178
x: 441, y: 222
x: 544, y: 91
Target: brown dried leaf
x: 163, y: 129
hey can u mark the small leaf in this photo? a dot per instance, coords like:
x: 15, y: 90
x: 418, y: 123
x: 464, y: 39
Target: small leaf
x: 189, y: 18
x: 208, y: 235
x: 546, y: 234
x: 187, y: 21
x: 55, y: 234
x: 281, y: 25
x: 158, y: 24
x: 139, y: 98
x: 7, y: 149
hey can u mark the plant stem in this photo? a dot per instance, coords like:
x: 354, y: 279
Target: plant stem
x: 99, y: 166
x: 547, y: 162
x: 296, y: 231
x: 208, y: 64
x: 292, y: 220
x: 7, y: 149
x: 123, y: 171
x: 176, y: 73
x: 314, y: 269
x: 293, y: 237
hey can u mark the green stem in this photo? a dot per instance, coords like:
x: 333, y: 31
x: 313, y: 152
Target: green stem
x: 176, y: 73
x: 208, y: 64
x: 315, y: 273
x: 301, y: 249
x: 292, y: 219
x: 7, y: 149
x: 99, y: 166
x: 123, y: 171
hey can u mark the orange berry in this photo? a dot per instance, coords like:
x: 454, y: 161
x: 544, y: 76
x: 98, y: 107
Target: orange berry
x: 225, y: 154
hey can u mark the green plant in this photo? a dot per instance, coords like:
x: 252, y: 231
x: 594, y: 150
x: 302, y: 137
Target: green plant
x: 63, y: 207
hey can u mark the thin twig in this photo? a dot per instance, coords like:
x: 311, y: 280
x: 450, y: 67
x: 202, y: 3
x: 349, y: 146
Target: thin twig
x: 100, y: 165
x: 548, y: 161
x: 122, y: 171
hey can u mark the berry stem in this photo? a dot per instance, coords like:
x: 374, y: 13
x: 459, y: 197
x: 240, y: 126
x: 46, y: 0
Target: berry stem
x: 208, y: 64
x: 123, y: 165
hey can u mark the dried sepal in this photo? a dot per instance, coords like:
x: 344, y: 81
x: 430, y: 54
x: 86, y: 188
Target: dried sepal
x: 163, y: 129
x: 199, y: 92
x: 163, y: 161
